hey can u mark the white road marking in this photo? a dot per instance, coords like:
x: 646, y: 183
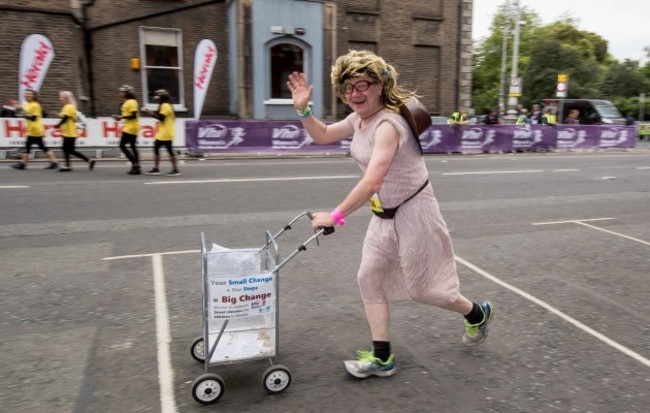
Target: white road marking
x: 582, y: 222
x: 121, y: 257
x: 557, y: 312
x: 13, y: 186
x: 163, y: 337
x: 524, y: 171
x: 229, y: 180
x: 643, y: 167
x: 614, y: 233
x: 566, y: 170
x: 291, y: 161
x: 571, y: 221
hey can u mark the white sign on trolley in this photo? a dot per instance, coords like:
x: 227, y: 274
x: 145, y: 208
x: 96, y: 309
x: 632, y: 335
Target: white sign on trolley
x: 237, y: 297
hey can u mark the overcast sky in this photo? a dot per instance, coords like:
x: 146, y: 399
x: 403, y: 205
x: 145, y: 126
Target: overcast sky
x: 625, y: 24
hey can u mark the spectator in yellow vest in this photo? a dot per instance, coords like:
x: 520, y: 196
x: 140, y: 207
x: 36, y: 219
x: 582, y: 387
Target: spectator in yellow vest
x: 549, y: 117
x: 523, y: 118
x: 458, y: 118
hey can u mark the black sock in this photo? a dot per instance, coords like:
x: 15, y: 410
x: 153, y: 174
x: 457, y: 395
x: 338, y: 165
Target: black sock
x: 381, y: 349
x: 476, y: 315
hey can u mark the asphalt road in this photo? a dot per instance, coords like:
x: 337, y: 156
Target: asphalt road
x: 100, y: 287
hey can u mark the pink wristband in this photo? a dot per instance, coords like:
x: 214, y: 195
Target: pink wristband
x: 337, y: 216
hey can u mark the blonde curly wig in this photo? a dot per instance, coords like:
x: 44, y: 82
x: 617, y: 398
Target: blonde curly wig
x: 357, y: 63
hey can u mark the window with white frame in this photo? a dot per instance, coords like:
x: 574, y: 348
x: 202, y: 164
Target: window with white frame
x: 285, y: 59
x: 162, y: 65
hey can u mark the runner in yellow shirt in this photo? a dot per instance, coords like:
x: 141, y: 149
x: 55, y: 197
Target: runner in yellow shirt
x: 68, y: 127
x: 32, y: 111
x: 130, y: 115
x: 165, y: 133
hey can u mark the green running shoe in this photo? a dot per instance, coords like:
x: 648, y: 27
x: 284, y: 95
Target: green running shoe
x: 368, y: 365
x: 475, y: 334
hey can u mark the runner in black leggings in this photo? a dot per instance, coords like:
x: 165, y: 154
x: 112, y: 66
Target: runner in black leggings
x: 130, y: 115
x: 33, y: 112
x: 68, y: 127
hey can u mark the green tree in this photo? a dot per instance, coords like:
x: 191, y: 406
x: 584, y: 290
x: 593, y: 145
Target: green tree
x: 560, y: 47
x: 487, y: 56
x: 632, y: 105
x: 623, y: 80
x: 590, y: 45
x: 544, y: 52
x: 548, y: 59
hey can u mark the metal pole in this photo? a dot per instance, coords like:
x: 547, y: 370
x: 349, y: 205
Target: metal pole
x: 512, y: 100
x: 502, y: 81
x: 641, y: 106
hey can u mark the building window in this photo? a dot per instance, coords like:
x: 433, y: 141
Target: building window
x: 162, y: 67
x: 285, y: 59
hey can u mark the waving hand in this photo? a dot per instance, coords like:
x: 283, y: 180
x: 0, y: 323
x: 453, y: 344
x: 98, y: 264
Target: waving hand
x: 300, y: 91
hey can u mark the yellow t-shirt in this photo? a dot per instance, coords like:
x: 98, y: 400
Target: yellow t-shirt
x: 166, y: 128
x: 131, y: 126
x: 34, y: 127
x: 69, y: 128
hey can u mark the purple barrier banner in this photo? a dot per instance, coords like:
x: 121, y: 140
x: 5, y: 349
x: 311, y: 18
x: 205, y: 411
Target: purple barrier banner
x: 251, y: 136
x: 533, y: 137
x: 508, y: 138
x: 595, y: 137
x: 481, y: 138
x: 291, y: 137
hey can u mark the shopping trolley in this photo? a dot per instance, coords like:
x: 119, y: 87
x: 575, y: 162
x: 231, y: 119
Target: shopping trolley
x: 241, y: 312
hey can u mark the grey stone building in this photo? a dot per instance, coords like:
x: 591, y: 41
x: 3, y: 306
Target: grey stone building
x: 102, y: 44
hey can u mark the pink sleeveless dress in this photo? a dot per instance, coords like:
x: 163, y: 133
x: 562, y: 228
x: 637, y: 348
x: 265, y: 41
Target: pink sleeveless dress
x: 410, y: 256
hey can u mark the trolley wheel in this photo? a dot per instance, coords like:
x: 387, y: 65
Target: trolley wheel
x: 198, y: 350
x: 276, y: 379
x: 208, y: 388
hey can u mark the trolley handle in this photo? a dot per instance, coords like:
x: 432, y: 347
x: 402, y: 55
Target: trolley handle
x: 286, y: 228
x: 303, y: 246
x: 325, y: 230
